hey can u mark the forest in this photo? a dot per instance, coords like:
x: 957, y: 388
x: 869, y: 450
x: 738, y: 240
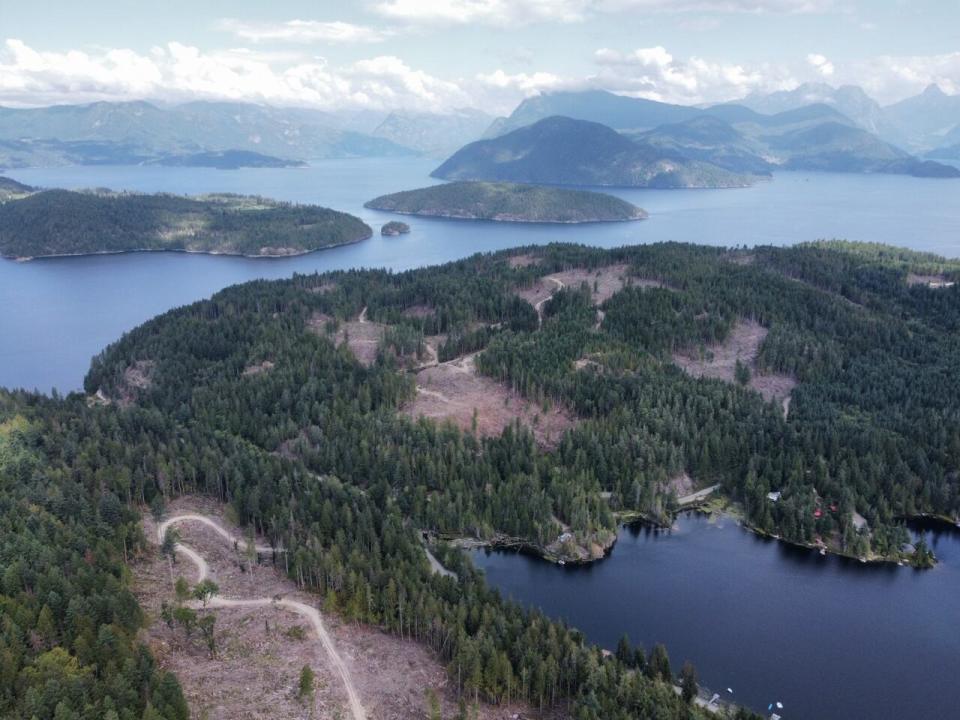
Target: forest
x: 508, y: 202
x: 64, y: 222
x: 314, y: 451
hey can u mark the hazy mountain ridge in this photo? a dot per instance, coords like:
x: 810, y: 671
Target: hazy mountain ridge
x: 435, y: 134
x: 140, y: 131
x: 737, y: 138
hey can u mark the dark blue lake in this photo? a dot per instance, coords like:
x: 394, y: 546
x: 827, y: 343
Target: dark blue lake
x: 828, y: 638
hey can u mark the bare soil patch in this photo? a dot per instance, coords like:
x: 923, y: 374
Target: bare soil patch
x: 261, y: 650
x: 258, y: 368
x: 931, y: 281
x: 454, y: 391
x: 719, y: 361
x: 524, y: 260
x: 361, y: 336
x: 419, y: 311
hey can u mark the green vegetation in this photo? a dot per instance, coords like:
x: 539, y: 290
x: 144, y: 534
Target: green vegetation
x: 508, y: 202
x: 61, y: 222
x: 564, y: 151
x: 314, y: 454
x: 394, y: 228
x: 68, y: 621
x: 226, y: 160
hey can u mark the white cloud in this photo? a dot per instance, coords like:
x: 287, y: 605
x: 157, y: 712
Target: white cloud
x: 178, y: 72
x: 508, y: 13
x: 487, y: 12
x: 822, y: 65
x: 303, y: 31
x: 890, y: 78
x: 655, y: 74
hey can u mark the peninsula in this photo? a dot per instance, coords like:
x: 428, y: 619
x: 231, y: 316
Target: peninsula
x: 62, y: 222
x: 509, y: 202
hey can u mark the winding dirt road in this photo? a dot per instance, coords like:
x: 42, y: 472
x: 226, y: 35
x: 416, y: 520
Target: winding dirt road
x: 308, y: 612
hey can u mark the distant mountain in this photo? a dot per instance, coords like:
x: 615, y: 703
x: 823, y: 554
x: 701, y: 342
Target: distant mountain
x: 850, y: 100
x: 508, y: 202
x: 141, y: 130
x: 566, y: 151
x: 928, y: 119
x: 615, y: 111
x: 434, y: 134
x: 709, y: 139
x: 226, y: 160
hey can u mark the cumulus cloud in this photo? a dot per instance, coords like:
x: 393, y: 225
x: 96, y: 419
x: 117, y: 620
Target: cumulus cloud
x: 890, y: 78
x: 656, y: 74
x: 509, y: 13
x: 822, y: 65
x: 178, y: 72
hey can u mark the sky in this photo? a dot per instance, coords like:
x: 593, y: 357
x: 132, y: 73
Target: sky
x: 439, y: 55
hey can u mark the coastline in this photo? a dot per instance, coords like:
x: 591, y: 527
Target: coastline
x: 501, y: 219
x: 713, y: 507
x: 215, y: 253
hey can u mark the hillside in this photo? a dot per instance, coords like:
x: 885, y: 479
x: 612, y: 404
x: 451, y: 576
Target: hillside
x: 61, y: 222
x: 131, y: 132
x: 10, y: 188
x: 564, y: 151
x: 433, y: 134
x: 600, y: 106
x: 812, y: 137
x: 508, y: 202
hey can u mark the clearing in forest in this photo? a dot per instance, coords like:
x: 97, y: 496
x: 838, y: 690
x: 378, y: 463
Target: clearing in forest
x: 720, y: 362
x: 454, y: 391
x: 361, y: 336
x: 931, y: 281
x: 261, y: 649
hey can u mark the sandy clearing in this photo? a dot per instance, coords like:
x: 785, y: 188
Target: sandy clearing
x: 454, y: 391
x: 743, y: 345
x: 931, y: 281
x: 310, y: 613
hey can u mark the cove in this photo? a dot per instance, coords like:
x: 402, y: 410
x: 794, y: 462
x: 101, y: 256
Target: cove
x: 828, y: 637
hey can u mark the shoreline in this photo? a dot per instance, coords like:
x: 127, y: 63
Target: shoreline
x: 473, y: 218
x: 185, y: 251
x: 628, y: 518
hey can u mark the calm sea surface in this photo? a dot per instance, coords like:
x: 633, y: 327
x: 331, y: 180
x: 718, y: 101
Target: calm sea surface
x: 828, y: 638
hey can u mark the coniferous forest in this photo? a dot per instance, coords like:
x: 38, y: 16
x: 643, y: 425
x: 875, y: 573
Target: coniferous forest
x: 314, y: 453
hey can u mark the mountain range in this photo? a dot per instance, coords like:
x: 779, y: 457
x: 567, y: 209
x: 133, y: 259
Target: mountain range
x: 133, y: 132
x: 434, y: 134
x: 740, y: 139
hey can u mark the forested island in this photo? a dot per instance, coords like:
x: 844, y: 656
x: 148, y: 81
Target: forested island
x: 226, y: 160
x: 538, y: 395
x: 63, y: 222
x: 508, y: 202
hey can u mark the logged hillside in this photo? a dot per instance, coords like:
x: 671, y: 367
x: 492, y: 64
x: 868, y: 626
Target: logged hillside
x: 564, y: 151
x: 775, y: 370
x: 62, y: 222
x: 508, y: 202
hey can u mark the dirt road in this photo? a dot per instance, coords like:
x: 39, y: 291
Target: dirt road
x: 308, y: 612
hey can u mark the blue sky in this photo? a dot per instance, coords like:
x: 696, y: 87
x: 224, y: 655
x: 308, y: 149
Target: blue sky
x: 442, y: 54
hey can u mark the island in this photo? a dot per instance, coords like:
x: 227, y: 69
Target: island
x: 226, y: 160
x: 508, y: 202
x: 394, y: 228
x: 61, y: 222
